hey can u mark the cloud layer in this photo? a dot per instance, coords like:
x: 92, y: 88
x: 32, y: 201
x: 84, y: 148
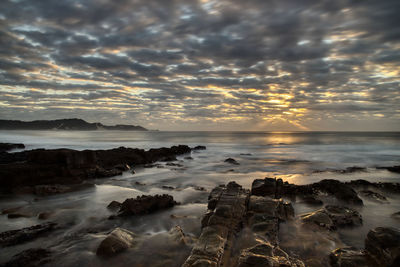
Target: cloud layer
x: 198, y: 64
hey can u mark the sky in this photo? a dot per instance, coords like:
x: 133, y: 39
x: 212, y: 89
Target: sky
x: 254, y: 65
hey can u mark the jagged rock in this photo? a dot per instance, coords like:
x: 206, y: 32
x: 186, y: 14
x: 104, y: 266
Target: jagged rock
x: 374, y: 196
x: 199, y: 148
x: 340, y: 190
x: 117, y: 241
x: 29, y: 258
x: 332, y: 217
x: 220, y: 224
x: 122, y: 167
x: 383, y: 245
x: 271, y: 187
x: 15, y: 237
x: 114, y: 205
x: 349, y: 257
x: 231, y: 161
x: 146, y: 204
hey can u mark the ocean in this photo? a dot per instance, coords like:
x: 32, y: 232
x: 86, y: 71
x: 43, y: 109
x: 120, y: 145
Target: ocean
x: 296, y: 157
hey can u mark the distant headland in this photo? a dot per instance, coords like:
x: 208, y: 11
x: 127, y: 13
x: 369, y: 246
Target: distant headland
x: 64, y: 124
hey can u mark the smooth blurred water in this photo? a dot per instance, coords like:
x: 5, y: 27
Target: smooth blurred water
x: 300, y: 157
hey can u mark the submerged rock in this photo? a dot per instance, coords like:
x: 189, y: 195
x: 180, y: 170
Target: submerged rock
x: 146, y: 204
x: 15, y: 237
x: 114, y: 205
x: 117, y: 241
x: 231, y: 161
x: 383, y: 245
x: 199, y: 148
x: 396, y: 215
x: 29, y: 258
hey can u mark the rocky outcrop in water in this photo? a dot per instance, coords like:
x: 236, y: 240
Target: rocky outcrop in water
x: 22, y: 171
x: 230, y: 209
x: 143, y: 205
x: 117, y: 241
x: 15, y: 237
x: 382, y: 248
x: 4, y: 147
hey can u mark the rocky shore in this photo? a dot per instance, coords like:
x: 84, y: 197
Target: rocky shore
x: 259, y: 226
x: 43, y: 171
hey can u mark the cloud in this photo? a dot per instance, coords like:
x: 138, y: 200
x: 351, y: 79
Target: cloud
x: 202, y: 64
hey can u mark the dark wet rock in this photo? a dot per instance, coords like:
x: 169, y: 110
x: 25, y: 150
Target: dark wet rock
x: 395, y: 169
x: 332, y: 217
x: 374, y: 196
x: 19, y: 215
x: 383, y: 245
x: 231, y: 161
x: 15, y: 237
x: 114, y: 205
x: 271, y: 187
x: 246, y: 154
x: 117, y: 241
x: 396, y: 215
x: 189, y: 158
x: 33, y: 257
x: 4, y: 147
x: 311, y: 200
x: 139, y: 183
x: 146, y: 204
x: 44, y: 215
x: 340, y: 190
x: 71, y: 167
x: 199, y: 148
x: 11, y: 210
x: 349, y: 257
x: 133, y: 172
x: 387, y: 187
x: 353, y: 169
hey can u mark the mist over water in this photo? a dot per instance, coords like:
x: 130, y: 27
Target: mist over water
x: 300, y: 158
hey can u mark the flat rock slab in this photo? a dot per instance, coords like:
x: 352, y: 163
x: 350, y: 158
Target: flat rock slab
x: 146, y: 204
x: 15, y: 237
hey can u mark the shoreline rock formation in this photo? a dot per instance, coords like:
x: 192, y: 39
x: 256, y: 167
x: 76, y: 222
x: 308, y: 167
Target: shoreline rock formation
x: 33, y: 171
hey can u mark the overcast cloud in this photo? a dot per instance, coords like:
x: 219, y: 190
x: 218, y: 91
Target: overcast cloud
x: 202, y: 65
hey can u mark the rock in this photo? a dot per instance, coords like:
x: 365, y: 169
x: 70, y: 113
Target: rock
x: 271, y: 187
x: 383, y: 245
x: 231, y: 161
x: 15, y: 237
x: 4, y: 147
x: 64, y: 167
x: 374, y: 196
x: 146, y: 204
x: 19, y: 215
x: 199, y: 188
x: 117, y: 241
x: 44, y: 215
x: 348, y: 257
x: 174, y: 164
x: 246, y: 154
x: 139, y: 183
x: 189, y: 158
x: 340, y: 190
x: 395, y: 169
x: 32, y: 257
x: 199, y: 148
x: 396, y: 215
x: 332, y: 217
x: 114, y: 205
x: 10, y: 210
x: 219, y: 226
